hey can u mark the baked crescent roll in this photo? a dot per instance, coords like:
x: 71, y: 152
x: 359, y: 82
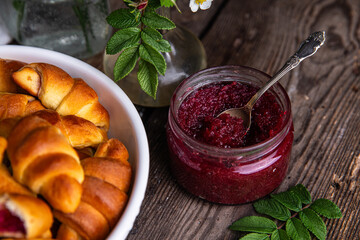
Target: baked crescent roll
x: 107, y: 180
x: 42, y: 159
x: 21, y: 213
x: 80, y: 132
x: 7, y: 68
x: 13, y: 107
x: 57, y: 90
x: 18, y: 105
x: 23, y: 216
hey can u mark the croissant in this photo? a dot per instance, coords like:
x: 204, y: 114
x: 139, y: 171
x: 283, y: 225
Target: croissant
x: 13, y: 107
x: 42, y: 159
x: 18, y: 105
x: 80, y: 132
x: 7, y: 67
x: 21, y: 213
x: 57, y: 90
x: 107, y: 180
x: 24, y: 216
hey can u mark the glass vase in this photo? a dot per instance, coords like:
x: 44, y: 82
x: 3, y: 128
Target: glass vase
x: 74, y: 27
x: 186, y: 57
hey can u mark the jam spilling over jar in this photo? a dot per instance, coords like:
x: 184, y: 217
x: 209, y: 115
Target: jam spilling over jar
x: 214, y: 157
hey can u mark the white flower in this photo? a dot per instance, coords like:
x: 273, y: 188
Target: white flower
x: 203, y: 4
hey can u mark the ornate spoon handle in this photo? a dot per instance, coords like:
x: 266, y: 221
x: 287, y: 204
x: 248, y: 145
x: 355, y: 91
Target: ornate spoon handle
x: 307, y: 48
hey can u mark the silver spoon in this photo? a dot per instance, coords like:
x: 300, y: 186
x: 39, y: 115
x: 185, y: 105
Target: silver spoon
x: 307, y: 48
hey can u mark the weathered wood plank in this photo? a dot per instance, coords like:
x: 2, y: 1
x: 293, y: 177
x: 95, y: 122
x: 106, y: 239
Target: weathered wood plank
x: 325, y: 97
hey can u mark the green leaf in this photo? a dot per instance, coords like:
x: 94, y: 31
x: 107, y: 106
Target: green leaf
x: 154, y: 4
x: 125, y: 63
x: 272, y: 208
x: 254, y: 224
x: 153, y: 38
x: 326, y: 208
x: 154, y: 20
x: 167, y: 3
x: 153, y: 56
x: 255, y: 236
x: 313, y: 222
x: 296, y: 230
x: 302, y: 193
x: 279, y: 234
x: 289, y: 200
x: 122, y: 18
x: 148, y: 78
x: 123, y: 39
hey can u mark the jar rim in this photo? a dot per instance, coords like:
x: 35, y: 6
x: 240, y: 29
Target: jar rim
x: 253, y: 150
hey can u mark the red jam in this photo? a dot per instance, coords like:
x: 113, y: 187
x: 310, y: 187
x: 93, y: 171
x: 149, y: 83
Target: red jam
x: 197, y: 115
x: 10, y: 223
x: 212, y: 157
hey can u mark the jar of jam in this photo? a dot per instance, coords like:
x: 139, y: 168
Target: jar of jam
x: 215, y: 158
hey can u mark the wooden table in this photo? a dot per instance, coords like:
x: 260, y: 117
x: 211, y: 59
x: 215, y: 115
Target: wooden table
x: 324, y: 92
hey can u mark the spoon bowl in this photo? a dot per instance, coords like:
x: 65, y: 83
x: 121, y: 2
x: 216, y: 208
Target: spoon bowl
x: 307, y: 48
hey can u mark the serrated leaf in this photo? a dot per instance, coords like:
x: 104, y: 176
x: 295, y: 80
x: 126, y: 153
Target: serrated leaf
x: 302, y: 193
x: 153, y: 38
x: 272, y: 208
x: 148, y: 78
x: 326, y: 208
x: 296, y: 230
x: 153, y: 56
x: 279, y: 234
x: 313, y: 222
x: 122, y: 39
x: 255, y: 236
x: 289, y: 200
x: 125, y: 63
x: 254, y: 224
x: 122, y: 18
x: 154, y: 20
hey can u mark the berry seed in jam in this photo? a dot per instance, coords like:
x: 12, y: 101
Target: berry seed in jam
x: 214, y: 158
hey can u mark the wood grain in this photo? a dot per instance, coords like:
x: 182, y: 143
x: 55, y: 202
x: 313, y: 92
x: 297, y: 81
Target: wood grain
x: 324, y: 92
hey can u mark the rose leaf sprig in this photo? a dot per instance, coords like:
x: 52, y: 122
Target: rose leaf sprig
x: 295, y: 211
x: 139, y: 41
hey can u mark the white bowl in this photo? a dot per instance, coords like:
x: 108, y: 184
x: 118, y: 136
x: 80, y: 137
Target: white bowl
x: 125, y: 122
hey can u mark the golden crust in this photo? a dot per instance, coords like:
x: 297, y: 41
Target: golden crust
x: 9, y: 185
x: 33, y: 145
x: 63, y: 192
x: 57, y: 90
x: 80, y: 132
x: 86, y: 221
x: 113, y: 148
x: 38, y: 142
x: 105, y: 187
x: 104, y: 197
x: 67, y: 233
x: 50, y: 166
x: 17, y: 105
x: 109, y: 170
x: 7, y: 68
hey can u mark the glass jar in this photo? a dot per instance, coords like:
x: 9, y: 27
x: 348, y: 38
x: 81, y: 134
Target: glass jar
x: 229, y: 175
x: 74, y: 27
